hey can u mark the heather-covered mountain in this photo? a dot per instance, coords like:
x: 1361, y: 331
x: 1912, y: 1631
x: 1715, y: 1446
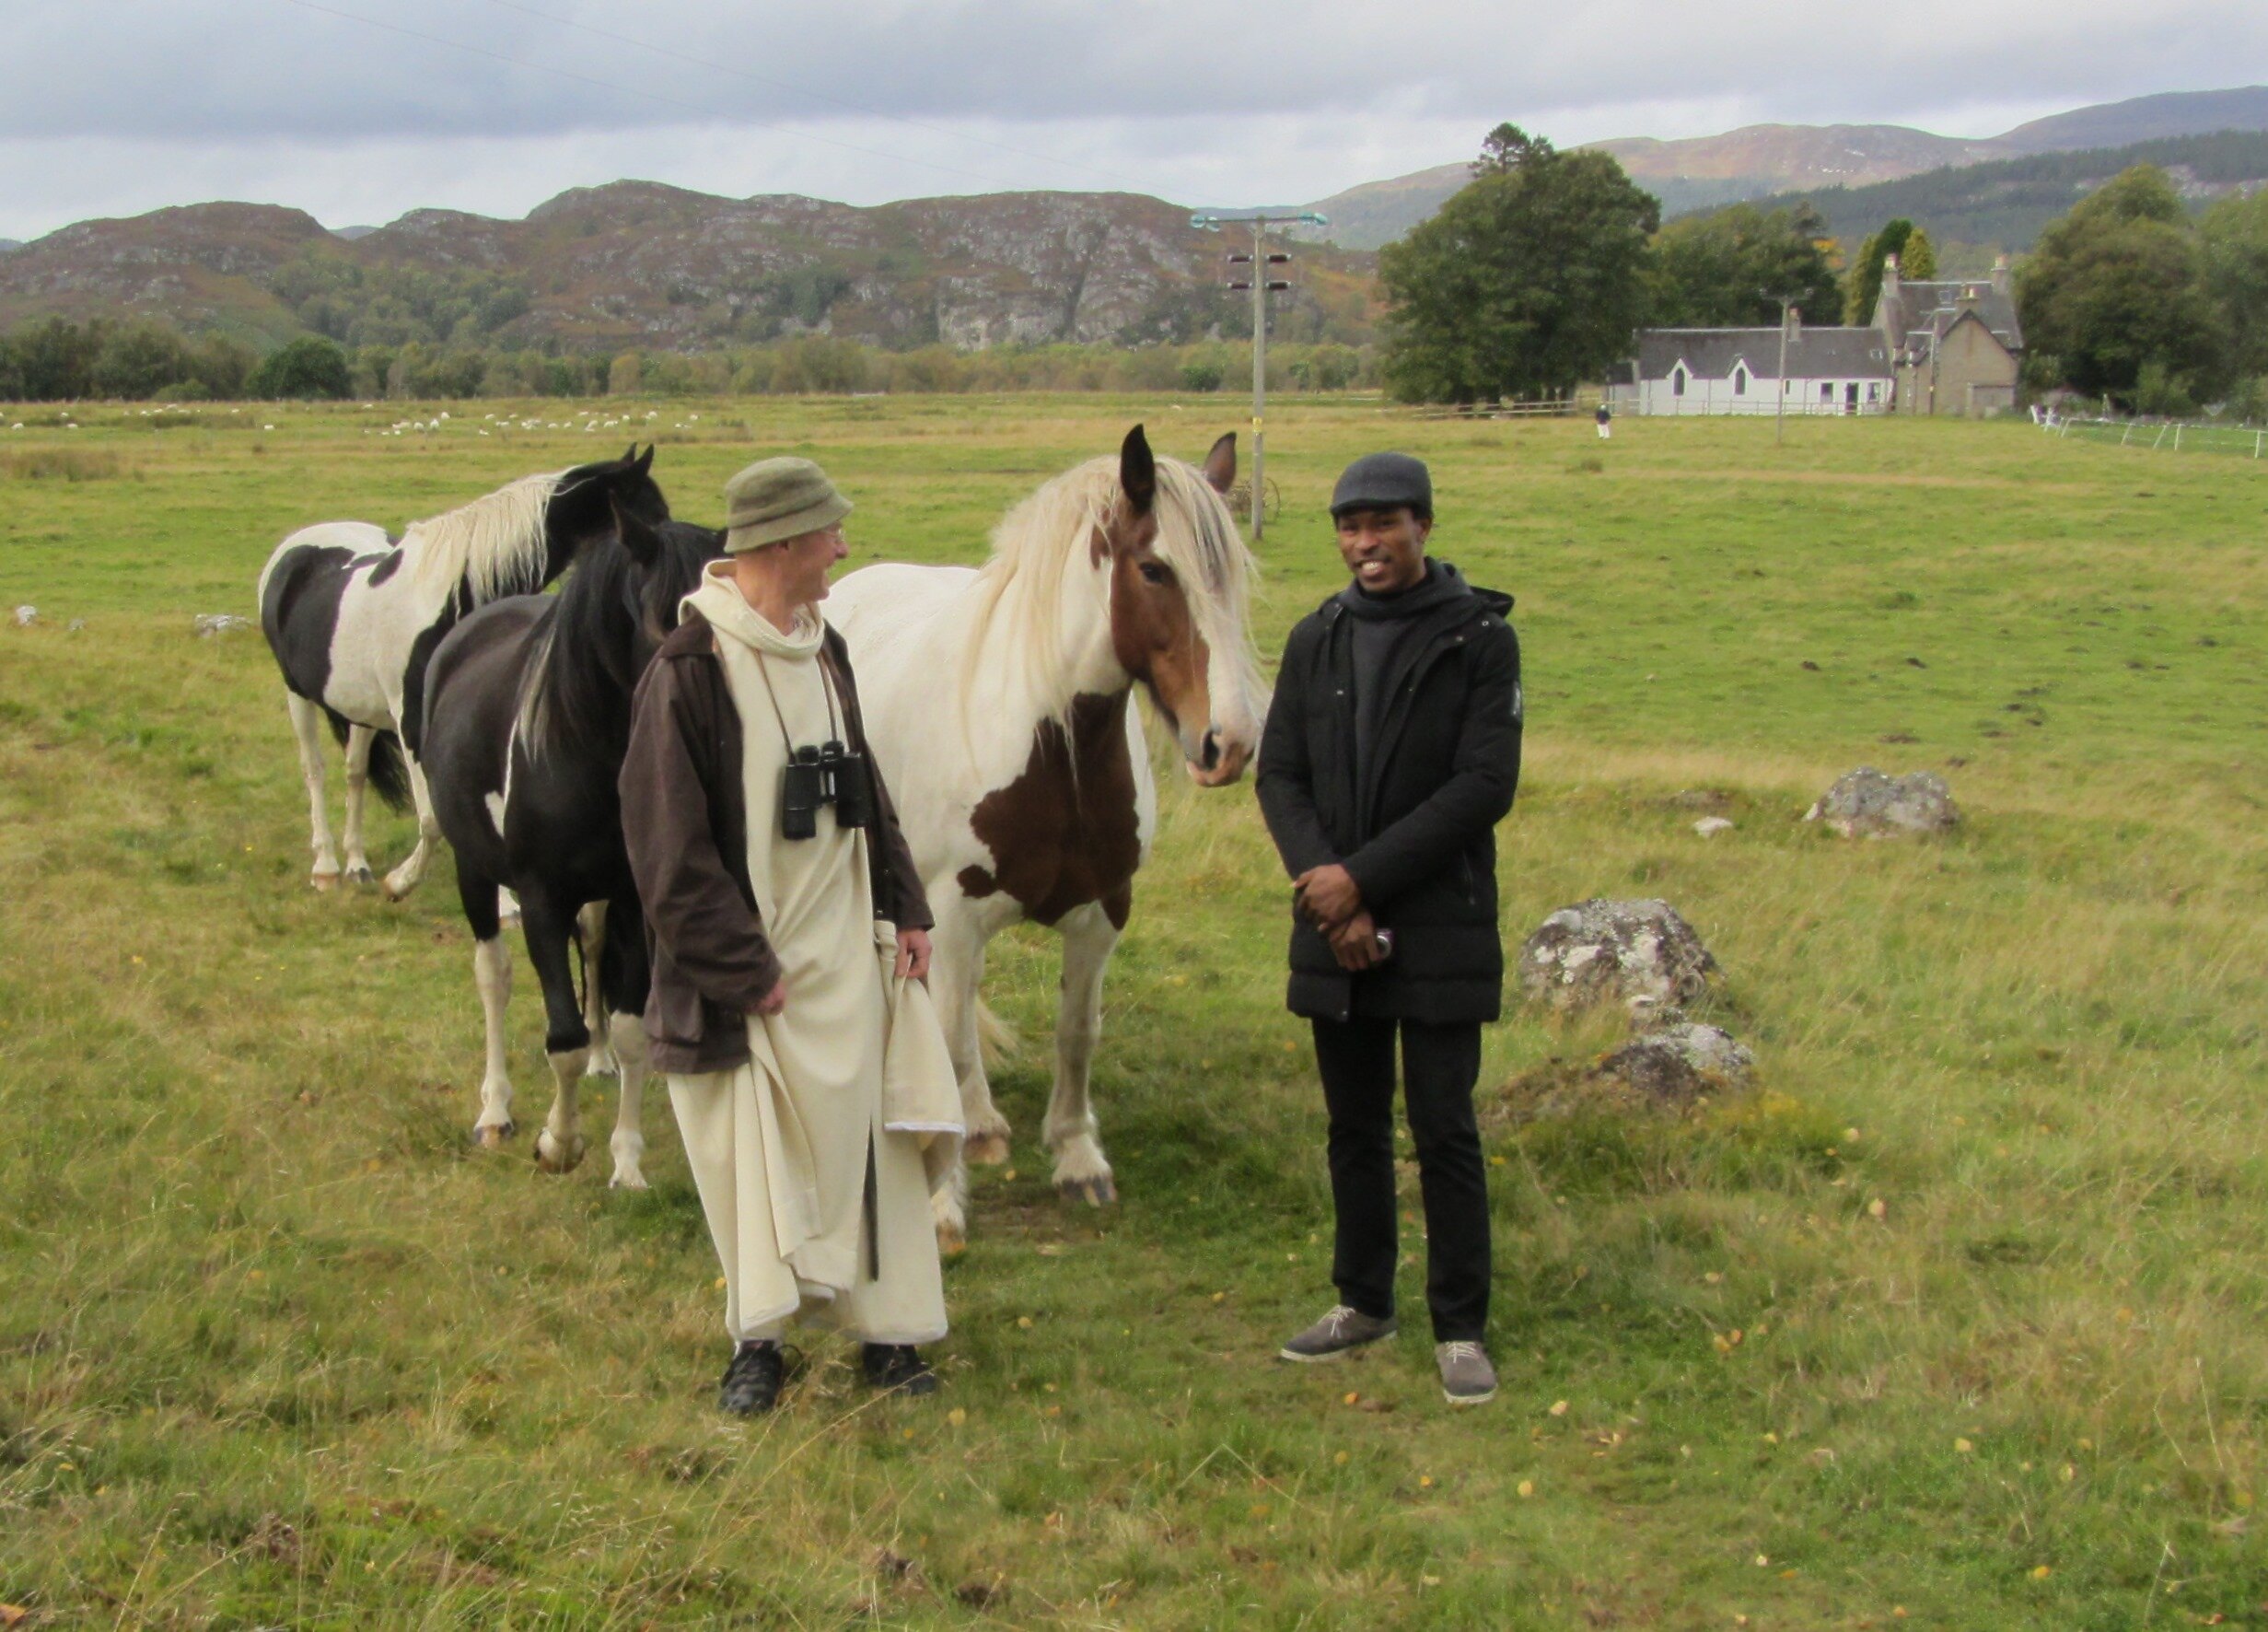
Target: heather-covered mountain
x: 634, y: 263
x: 1763, y: 159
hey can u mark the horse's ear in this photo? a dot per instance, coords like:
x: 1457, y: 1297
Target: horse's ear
x: 1137, y: 473
x: 645, y: 459
x: 1220, y: 464
x: 641, y: 539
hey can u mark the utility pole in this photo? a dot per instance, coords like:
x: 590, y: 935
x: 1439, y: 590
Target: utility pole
x: 1261, y: 260
x: 1779, y: 411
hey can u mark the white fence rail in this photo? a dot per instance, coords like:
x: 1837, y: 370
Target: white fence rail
x: 2173, y: 436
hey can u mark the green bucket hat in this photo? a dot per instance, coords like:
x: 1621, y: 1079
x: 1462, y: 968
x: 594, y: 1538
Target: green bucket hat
x: 779, y: 498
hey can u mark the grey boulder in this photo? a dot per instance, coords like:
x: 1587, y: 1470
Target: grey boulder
x: 1867, y: 804
x: 1639, y: 954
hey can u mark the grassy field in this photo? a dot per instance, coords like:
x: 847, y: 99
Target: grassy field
x: 1958, y: 1322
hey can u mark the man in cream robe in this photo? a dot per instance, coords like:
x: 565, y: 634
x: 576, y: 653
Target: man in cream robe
x: 806, y: 1066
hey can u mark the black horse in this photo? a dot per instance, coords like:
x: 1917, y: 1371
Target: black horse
x: 355, y: 615
x: 526, y: 723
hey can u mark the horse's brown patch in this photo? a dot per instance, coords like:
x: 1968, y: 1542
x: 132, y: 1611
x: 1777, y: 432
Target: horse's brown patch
x: 1063, y: 834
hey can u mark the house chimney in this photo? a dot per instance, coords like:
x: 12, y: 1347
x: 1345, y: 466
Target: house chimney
x: 2001, y: 275
x: 1794, y: 324
x: 1890, y: 274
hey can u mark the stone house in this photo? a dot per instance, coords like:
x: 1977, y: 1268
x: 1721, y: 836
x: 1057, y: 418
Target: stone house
x: 1956, y: 342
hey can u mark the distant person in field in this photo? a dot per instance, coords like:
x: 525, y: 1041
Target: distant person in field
x: 1393, y: 749
x: 790, y: 938
x: 1606, y: 424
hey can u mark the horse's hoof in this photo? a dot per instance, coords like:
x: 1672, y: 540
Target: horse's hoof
x: 952, y: 1243
x: 392, y: 891
x: 360, y: 875
x: 324, y: 882
x: 632, y: 1180
x: 1097, y: 1192
x: 495, y: 1135
x: 551, y: 1158
x: 601, y: 1064
x: 986, y: 1149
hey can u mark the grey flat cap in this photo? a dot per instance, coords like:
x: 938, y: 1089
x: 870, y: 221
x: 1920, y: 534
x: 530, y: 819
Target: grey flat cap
x: 779, y: 498
x: 1384, y: 481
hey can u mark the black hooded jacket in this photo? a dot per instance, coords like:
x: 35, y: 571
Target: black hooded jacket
x: 1414, y: 821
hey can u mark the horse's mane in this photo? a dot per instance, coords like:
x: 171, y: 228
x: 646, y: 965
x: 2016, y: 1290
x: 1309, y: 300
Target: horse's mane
x: 1021, y: 589
x: 577, y: 680
x: 495, y: 544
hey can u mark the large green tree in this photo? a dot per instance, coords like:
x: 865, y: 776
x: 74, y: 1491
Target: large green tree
x: 309, y: 367
x: 2117, y: 286
x: 1528, y: 282
x: 1732, y: 267
x: 2235, y: 261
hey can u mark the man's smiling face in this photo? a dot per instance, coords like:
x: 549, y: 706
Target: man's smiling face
x: 1384, y: 549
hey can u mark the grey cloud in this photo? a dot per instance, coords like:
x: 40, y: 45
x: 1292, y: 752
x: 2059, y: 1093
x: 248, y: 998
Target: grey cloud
x: 287, y: 69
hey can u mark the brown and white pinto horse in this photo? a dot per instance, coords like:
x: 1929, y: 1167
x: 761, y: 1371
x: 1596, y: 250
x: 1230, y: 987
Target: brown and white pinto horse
x: 999, y: 702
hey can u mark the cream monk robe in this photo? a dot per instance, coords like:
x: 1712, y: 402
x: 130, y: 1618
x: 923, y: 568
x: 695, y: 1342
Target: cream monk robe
x: 789, y: 932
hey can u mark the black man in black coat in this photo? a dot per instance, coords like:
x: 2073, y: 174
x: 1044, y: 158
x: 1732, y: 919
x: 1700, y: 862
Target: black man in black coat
x: 1393, y: 749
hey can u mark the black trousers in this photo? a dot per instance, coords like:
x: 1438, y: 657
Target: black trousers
x: 1441, y: 1065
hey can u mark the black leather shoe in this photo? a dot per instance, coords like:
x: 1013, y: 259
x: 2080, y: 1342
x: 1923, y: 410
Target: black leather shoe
x: 897, y: 1368
x: 751, y: 1385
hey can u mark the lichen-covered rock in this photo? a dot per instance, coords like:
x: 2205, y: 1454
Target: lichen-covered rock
x: 1677, y: 1064
x: 1639, y: 954
x: 1867, y: 804
x: 211, y: 623
x: 1709, y: 827
x: 1671, y: 1069
x: 26, y: 617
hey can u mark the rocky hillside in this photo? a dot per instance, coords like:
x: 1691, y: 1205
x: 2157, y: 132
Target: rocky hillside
x: 637, y: 263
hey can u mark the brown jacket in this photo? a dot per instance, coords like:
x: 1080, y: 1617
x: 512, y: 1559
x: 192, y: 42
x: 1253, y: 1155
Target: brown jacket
x: 685, y: 822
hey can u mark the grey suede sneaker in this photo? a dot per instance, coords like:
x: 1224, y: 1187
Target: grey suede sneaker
x: 1467, y: 1378
x: 1337, y: 1333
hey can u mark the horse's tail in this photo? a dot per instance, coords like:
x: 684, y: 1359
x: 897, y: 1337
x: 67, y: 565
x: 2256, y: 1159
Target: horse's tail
x: 996, y: 1038
x: 390, y: 772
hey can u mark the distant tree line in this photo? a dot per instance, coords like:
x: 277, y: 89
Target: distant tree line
x: 54, y: 359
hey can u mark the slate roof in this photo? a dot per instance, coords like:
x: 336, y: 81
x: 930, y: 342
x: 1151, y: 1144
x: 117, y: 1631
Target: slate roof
x: 1812, y: 352
x: 1924, y: 310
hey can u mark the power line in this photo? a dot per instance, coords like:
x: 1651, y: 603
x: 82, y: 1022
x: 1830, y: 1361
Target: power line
x: 701, y: 109
x: 818, y: 95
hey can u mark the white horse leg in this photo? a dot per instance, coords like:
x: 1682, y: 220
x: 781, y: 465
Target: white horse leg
x: 956, y: 976
x: 1081, y: 1172
x: 956, y: 968
x: 559, y: 1147
x: 307, y: 726
x: 591, y: 930
x: 358, y: 741
x: 406, y: 877
x: 492, y: 973
x: 627, y: 1032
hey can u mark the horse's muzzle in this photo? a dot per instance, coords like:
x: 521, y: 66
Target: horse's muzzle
x: 1218, y: 761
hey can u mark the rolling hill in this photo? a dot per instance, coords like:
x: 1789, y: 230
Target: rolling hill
x: 1765, y: 160
x: 2008, y: 204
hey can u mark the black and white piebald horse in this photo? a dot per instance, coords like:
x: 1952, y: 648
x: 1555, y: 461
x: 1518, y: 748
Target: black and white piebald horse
x: 354, y: 616
x: 526, y: 724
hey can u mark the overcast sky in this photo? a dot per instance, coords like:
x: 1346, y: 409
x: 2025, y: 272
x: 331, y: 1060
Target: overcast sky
x: 359, y: 110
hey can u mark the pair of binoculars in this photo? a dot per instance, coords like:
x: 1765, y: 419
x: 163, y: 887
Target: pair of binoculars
x: 827, y: 774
